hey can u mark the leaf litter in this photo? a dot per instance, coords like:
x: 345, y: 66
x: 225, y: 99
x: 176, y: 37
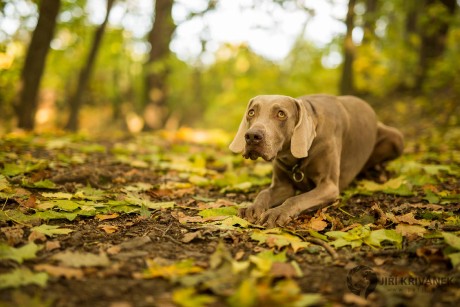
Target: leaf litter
x: 158, y: 215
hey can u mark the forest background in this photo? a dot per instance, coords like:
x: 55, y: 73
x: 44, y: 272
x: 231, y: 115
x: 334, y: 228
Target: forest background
x: 141, y: 65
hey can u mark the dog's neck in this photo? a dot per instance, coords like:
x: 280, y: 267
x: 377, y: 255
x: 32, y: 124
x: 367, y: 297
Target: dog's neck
x: 291, y: 165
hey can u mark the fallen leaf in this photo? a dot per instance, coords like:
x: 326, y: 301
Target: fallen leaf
x: 58, y: 195
x: 353, y: 299
x: 278, y: 238
x: 22, y: 277
x: 317, y: 224
x: 19, y: 254
x: 188, y: 297
x: 103, y: 217
x: 60, y: 271
x: 108, y: 228
x: 190, y: 236
x: 410, y: 231
x: 286, y: 270
x: 36, y: 236
x: 223, y: 211
x: 51, y: 230
x: 79, y: 259
x: 135, y: 243
x: 409, y: 218
x: 452, y: 240
x: 181, y: 268
x: 13, y: 234
x: 52, y: 245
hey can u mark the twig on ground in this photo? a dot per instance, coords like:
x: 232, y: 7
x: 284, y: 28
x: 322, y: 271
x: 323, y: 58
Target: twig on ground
x: 323, y: 244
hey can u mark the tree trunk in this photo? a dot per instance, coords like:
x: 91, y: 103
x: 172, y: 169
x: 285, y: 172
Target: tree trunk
x: 347, y: 83
x: 433, y: 35
x: 34, y: 65
x: 369, y: 20
x: 156, y: 67
x: 75, y: 102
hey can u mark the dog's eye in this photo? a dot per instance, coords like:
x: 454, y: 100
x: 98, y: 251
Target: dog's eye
x: 281, y: 114
x: 251, y: 113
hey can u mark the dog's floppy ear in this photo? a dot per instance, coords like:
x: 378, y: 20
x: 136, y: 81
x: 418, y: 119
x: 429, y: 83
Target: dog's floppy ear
x: 304, y: 132
x: 239, y: 141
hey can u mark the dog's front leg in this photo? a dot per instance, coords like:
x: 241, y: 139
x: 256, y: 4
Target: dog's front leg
x: 321, y: 195
x: 280, y: 190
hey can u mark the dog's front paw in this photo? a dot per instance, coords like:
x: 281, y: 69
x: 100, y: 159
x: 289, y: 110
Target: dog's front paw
x: 251, y: 213
x: 275, y: 217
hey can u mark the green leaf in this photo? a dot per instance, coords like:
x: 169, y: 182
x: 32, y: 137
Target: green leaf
x: 159, y: 205
x: 4, y: 184
x: 454, y: 259
x: 42, y: 184
x: 223, y: 211
x: 362, y: 234
x: 397, y: 186
x: 16, y: 216
x: 22, y: 277
x: 63, y: 204
x: 235, y: 220
x: 188, y: 297
x: 52, y: 215
x: 78, y: 259
x: 264, y: 260
x: 376, y: 237
x: 20, y: 254
x: 90, y: 194
x: 452, y: 240
x: 244, y: 294
x: 51, y: 230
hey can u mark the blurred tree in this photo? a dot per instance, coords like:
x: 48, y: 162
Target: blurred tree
x: 156, y: 67
x: 26, y: 105
x: 433, y: 31
x: 347, y: 79
x: 75, y: 101
x: 370, y: 17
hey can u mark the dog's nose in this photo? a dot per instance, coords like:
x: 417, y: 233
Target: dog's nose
x: 254, y: 137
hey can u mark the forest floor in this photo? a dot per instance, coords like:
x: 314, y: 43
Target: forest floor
x: 151, y: 220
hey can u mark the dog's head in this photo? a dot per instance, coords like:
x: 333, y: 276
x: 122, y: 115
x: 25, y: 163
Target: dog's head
x: 274, y: 124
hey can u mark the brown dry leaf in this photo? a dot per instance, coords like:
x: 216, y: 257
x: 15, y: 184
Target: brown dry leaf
x: 103, y: 217
x: 411, y: 220
x: 417, y: 206
x: 382, y: 218
x: 350, y: 298
x: 317, y: 224
x: 13, y: 234
x: 410, y: 231
x: 108, y: 228
x: 190, y: 236
x: 379, y: 261
x: 113, y: 250
x: 31, y: 202
x: 60, y: 271
x: 282, y: 269
x: 35, y: 235
x: 183, y: 218
x: 239, y: 254
x: 52, y: 245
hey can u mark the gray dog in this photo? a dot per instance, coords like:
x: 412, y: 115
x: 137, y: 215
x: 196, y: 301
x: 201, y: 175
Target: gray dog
x: 318, y: 144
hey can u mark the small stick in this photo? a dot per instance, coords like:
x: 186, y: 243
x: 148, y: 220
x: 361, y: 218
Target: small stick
x: 323, y: 244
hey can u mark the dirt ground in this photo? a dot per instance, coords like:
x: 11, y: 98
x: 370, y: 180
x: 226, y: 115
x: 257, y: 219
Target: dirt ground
x: 161, y: 235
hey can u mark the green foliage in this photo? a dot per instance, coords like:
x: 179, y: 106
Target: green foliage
x: 22, y: 277
x: 19, y: 254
